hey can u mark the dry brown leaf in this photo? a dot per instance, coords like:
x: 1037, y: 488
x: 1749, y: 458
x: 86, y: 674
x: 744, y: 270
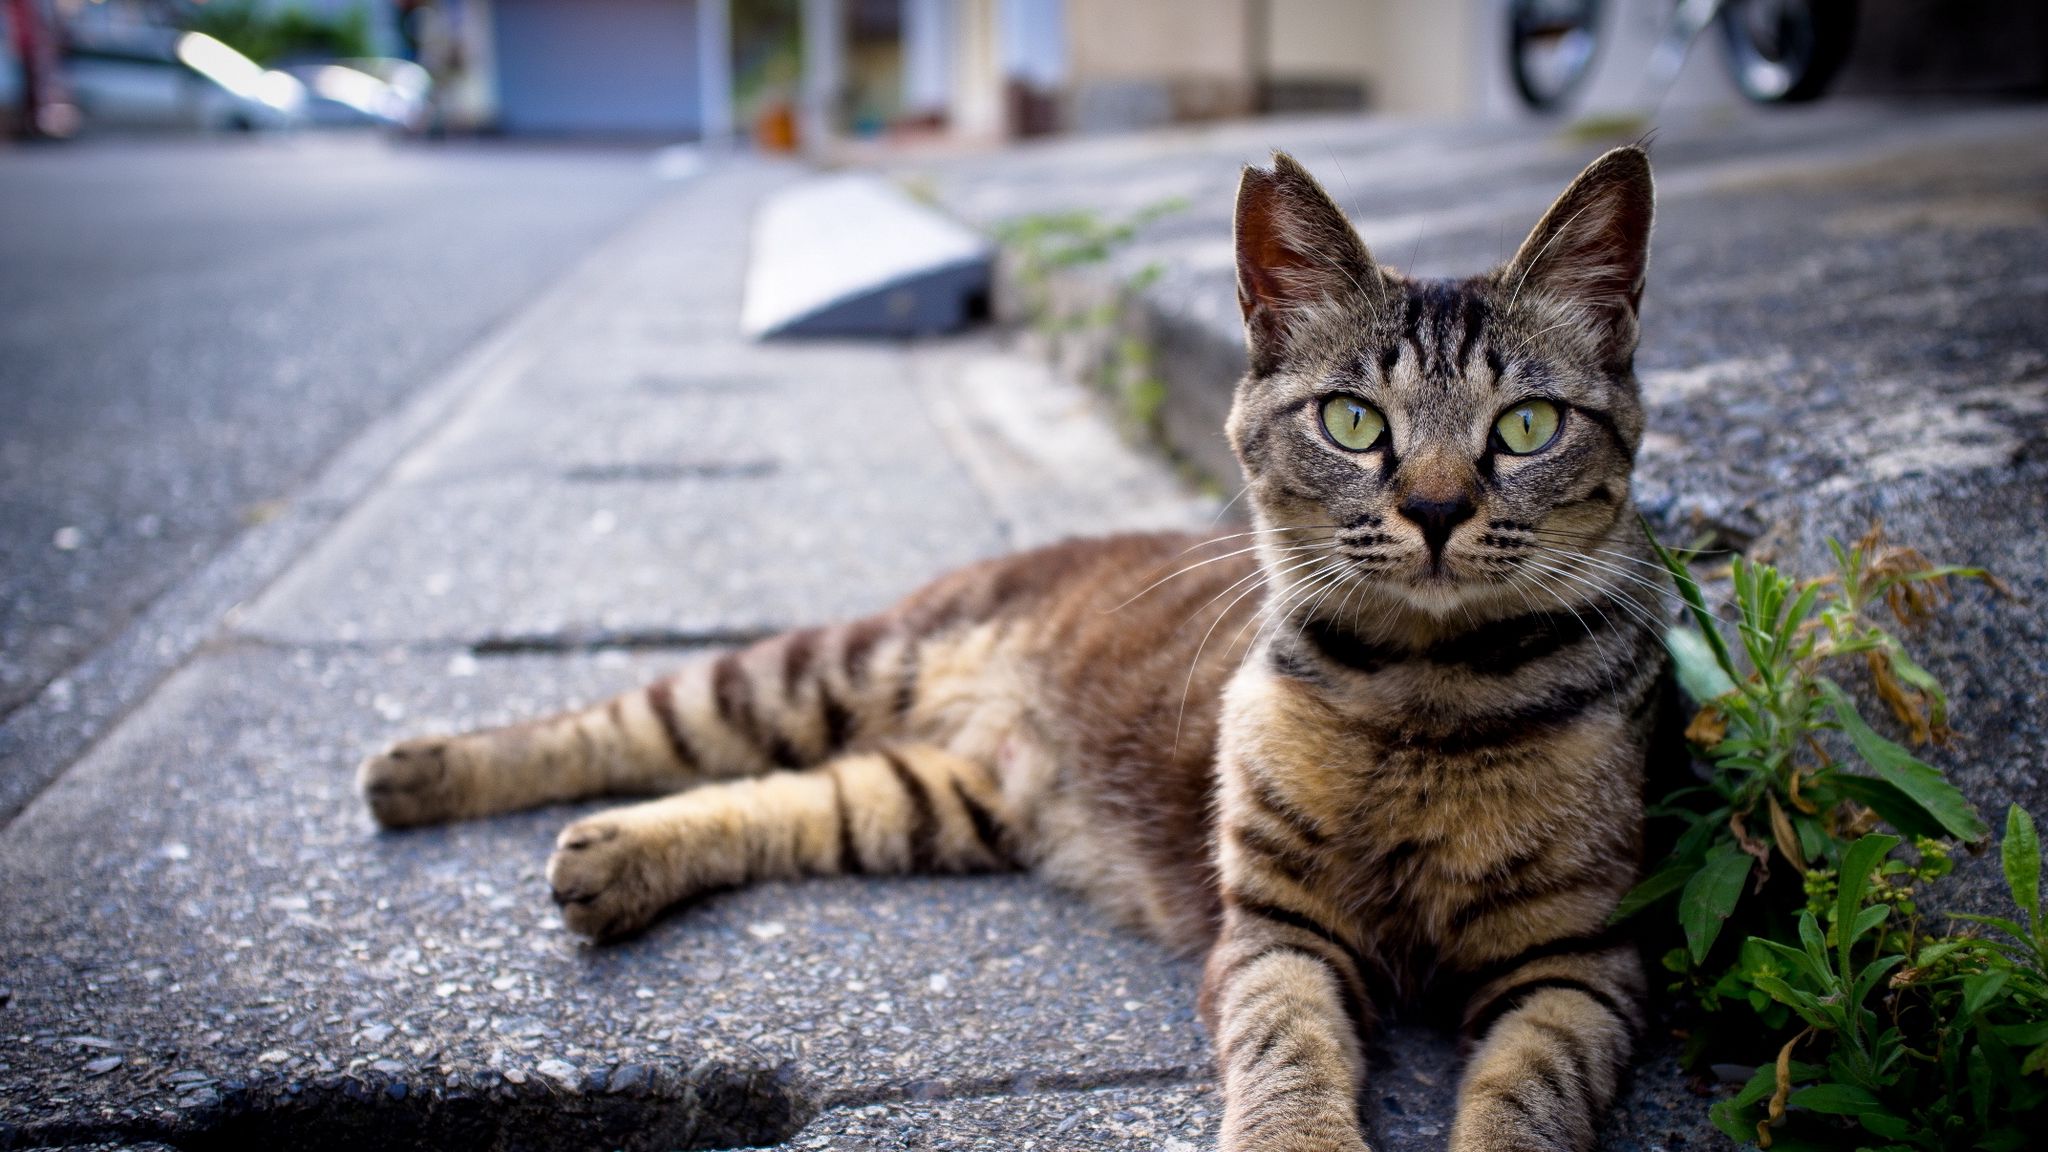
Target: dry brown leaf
x: 1787, y: 838
x: 1753, y: 846
x: 1708, y: 728
x: 1798, y: 801
x: 1908, y: 704
x: 1776, y: 1113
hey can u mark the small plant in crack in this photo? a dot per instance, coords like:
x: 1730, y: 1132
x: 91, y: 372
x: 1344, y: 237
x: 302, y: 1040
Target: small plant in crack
x: 1044, y: 244
x: 1804, y: 930
x: 1123, y: 361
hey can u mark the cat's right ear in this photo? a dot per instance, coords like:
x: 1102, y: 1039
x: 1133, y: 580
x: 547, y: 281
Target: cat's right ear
x: 1296, y: 255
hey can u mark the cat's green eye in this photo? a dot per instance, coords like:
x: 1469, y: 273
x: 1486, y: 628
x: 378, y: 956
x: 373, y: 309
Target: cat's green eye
x: 1353, y: 423
x: 1527, y: 427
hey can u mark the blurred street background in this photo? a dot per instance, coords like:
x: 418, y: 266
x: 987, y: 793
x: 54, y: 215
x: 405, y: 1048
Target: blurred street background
x: 377, y: 366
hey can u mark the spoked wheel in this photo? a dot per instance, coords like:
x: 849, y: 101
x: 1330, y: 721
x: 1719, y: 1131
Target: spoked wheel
x: 1785, y: 51
x: 1550, y: 48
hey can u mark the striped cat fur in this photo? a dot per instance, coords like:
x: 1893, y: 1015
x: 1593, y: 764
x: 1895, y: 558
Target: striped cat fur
x: 1388, y: 746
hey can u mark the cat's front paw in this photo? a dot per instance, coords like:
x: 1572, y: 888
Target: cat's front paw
x: 606, y: 878
x: 412, y: 782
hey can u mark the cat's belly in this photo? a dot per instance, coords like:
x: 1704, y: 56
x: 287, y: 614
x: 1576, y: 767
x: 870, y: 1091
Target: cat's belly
x: 1097, y: 707
x: 1108, y: 802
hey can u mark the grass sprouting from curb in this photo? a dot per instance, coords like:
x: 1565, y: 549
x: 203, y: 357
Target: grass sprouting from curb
x: 1042, y: 246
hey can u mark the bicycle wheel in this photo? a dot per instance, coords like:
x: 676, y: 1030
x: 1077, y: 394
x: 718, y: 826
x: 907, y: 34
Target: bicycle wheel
x: 1786, y: 51
x: 1551, y: 44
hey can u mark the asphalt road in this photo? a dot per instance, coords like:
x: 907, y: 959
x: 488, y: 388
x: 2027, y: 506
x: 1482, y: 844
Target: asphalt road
x: 188, y: 328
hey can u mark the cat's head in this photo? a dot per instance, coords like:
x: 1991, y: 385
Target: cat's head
x: 1440, y: 444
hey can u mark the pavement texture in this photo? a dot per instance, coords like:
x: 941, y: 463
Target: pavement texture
x: 207, y: 944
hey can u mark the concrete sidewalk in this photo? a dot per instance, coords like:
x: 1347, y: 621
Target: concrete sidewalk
x: 208, y: 944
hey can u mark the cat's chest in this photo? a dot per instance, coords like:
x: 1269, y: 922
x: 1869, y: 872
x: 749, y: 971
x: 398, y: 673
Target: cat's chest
x: 1411, y: 839
x: 1388, y: 775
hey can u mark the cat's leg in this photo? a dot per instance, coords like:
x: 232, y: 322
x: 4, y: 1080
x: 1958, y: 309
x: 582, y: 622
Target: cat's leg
x: 1553, y: 1036
x: 785, y: 702
x: 906, y: 809
x: 1284, y: 1000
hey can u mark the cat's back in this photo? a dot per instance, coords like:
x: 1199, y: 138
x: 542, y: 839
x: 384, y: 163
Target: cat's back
x: 1087, y: 612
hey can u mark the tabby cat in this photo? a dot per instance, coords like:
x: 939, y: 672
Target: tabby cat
x: 1393, y: 745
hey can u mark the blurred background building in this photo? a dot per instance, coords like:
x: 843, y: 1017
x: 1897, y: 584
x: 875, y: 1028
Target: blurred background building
x: 801, y: 73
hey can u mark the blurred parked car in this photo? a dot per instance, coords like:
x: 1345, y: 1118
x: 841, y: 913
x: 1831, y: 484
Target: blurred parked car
x: 368, y: 91
x: 166, y: 79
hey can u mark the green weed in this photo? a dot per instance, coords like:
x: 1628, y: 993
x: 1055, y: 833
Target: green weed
x: 1895, y: 1027
x: 1044, y: 245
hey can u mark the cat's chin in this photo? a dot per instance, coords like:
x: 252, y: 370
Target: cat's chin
x: 1441, y: 595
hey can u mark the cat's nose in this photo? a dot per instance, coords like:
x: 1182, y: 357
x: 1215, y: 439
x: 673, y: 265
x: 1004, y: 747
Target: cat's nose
x: 1436, y: 517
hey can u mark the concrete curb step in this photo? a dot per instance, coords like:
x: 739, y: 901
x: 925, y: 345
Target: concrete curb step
x: 647, y: 1108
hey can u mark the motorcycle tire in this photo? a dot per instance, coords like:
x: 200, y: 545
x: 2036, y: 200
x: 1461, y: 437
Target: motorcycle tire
x: 1786, y: 51
x: 1551, y: 48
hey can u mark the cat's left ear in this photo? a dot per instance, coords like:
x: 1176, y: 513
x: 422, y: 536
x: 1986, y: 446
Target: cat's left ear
x: 1592, y: 249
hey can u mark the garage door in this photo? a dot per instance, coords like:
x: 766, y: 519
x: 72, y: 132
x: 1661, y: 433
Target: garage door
x: 612, y: 67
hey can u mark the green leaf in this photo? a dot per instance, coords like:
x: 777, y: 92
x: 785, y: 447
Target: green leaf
x: 1813, y: 836
x: 1887, y: 1125
x: 2009, y: 927
x: 2021, y: 854
x: 1815, y: 942
x: 1872, y: 973
x: 1836, y: 1100
x: 1759, y: 1086
x: 1792, y: 958
x: 1825, y: 1017
x: 1735, y: 1122
x: 1789, y: 626
x: 1699, y: 670
x: 1710, y: 897
x: 1980, y: 1084
x: 1898, y: 767
x: 1935, y: 951
x: 1655, y: 887
x: 1981, y: 987
x: 1898, y: 809
x: 1692, y: 846
x: 1788, y: 1142
x: 1867, y: 919
x: 1695, y: 602
x: 2004, y: 1140
x: 2027, y: 1035
x: 1857, y: 864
